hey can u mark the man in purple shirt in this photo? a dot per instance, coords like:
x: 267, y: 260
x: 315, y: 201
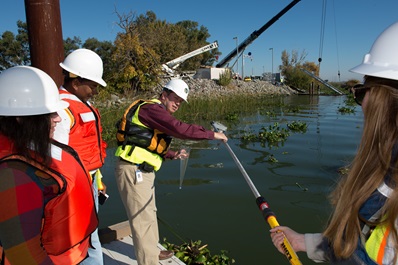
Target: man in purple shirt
x: 150, y: 131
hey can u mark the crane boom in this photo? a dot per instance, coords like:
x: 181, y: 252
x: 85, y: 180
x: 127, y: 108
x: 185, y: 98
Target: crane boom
x: 254, y: 35
x: 170, y: 66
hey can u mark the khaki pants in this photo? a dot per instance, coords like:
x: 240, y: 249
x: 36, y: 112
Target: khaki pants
x: 139, y: 201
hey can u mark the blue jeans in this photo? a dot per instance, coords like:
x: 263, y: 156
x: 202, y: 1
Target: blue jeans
x: 94, y: 254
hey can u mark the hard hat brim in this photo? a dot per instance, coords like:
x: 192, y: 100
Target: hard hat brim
x: 375, y: 70
x: 26, y: 111
x: 96, y: 80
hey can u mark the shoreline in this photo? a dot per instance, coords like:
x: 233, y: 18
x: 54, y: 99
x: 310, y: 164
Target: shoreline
x: 210, y: 88
x: 206, y: 88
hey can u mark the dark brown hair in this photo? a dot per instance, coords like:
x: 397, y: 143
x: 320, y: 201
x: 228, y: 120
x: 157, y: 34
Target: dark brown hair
x: 29, y: 133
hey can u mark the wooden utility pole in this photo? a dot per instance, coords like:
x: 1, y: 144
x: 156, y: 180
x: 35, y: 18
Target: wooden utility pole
x: 43, y: 18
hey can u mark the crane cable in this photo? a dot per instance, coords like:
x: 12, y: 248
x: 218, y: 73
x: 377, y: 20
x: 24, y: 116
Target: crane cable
x: 322, y: 35
x: 337, y: 46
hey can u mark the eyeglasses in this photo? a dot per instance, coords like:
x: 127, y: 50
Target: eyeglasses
x: 359, y: 94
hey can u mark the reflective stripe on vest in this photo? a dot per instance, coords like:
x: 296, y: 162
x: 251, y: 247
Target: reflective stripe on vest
x: 88, y: 116
x: 377, y: 242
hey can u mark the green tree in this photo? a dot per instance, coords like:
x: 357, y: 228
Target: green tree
x: 171, y: 41
x: 166, y: 39
x: 136, y: 65
x: 291, y: 69
x: 312, y: 67
x: 72, y: 44
x: 14, y: 49
x: 196, y: 37
x: 146, y: 43
x: 133, y: 61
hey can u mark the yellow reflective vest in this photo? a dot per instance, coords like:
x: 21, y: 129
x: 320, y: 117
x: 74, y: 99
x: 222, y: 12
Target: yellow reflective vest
x: 377, y: 245
x: 148, y: 145
x: 377, y: 242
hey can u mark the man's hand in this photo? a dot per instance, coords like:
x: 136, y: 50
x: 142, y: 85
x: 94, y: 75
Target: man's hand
x: 181, y: 154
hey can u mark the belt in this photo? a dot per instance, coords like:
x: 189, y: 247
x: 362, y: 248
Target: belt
x: 144, y: 167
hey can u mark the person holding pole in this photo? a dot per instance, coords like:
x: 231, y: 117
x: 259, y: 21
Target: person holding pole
x: 363, y: 228
x: 146, y: 145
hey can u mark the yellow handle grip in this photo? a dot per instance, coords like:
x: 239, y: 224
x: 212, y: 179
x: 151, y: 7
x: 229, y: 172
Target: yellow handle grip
x: 287, y: 248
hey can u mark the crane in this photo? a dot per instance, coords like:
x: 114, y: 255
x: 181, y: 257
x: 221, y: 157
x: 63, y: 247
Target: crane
x: 254, y: 35
x: 170, y: 66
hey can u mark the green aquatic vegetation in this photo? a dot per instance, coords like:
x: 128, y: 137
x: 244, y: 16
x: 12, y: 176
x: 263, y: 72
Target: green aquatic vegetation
x: 350, y: 101
x: 297, y: 126
x: 194, y: 253
x: 293, y: 109
x: 268, y: 113
x: 271, y: 136
x: 346, y: 110
x: 272, y: 159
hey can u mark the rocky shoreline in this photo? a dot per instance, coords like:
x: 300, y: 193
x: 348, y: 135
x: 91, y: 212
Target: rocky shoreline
x: 205, y: 88
x: 210, y: 88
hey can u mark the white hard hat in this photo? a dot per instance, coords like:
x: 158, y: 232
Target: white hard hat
x: 179, y: 87
x: 382, y: 60
x: 26, y: 90
x: 86, y: 64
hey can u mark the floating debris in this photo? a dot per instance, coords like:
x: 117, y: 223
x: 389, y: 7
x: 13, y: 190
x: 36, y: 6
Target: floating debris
x: 218, y: 165
x: 304, y: 189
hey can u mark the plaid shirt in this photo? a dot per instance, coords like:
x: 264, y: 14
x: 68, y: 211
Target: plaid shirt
x: 24, y: 192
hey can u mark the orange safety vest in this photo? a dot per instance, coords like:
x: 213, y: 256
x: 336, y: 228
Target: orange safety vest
x: 67, y: 222
x: 85, y: 131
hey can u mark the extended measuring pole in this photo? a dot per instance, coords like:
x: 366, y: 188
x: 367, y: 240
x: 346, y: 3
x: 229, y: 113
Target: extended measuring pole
x: 268, y: 215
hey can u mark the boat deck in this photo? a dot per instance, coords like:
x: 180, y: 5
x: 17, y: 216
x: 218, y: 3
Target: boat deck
x: 118, y: 248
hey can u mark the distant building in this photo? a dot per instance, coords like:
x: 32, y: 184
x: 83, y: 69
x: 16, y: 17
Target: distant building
x: 209, y: 73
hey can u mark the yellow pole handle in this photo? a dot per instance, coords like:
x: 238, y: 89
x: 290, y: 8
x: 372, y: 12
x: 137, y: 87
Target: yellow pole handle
x: 286, y: 246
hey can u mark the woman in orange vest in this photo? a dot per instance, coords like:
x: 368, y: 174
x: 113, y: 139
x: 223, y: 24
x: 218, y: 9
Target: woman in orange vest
x: 363, y: 226
x: 42, y: 183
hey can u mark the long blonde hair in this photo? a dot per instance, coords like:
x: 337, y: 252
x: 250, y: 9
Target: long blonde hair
x: 368, y: 169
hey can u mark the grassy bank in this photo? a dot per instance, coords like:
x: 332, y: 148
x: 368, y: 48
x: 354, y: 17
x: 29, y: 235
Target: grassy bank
x: 199, y: 111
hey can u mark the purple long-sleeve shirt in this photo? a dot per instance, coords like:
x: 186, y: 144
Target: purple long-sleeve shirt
x: 156, y: 116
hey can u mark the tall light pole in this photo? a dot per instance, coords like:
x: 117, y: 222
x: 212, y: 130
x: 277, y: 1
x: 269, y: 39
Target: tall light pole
x: 272, y: 63
x: 237, y: 55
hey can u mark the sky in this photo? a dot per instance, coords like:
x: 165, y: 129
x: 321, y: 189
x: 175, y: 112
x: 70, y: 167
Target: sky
x: 351, y: 27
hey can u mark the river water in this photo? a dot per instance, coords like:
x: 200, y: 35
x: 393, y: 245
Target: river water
x: 217, y: 206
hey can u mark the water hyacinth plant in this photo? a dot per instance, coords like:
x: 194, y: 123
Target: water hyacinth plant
x: 194, y: 253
